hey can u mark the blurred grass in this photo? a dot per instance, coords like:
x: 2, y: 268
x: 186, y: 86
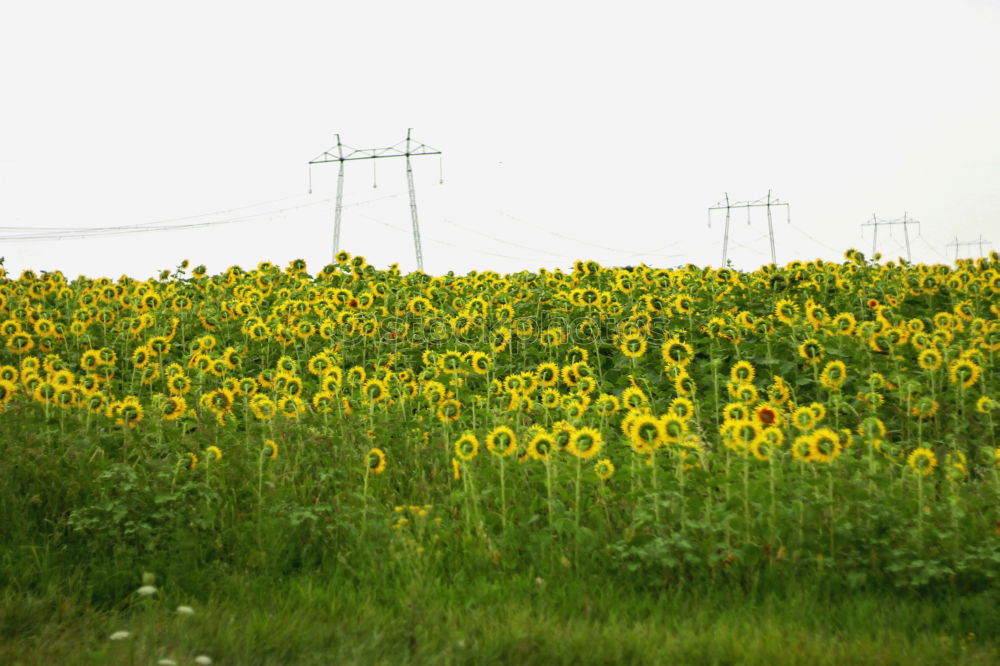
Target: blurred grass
x: 511, y: 619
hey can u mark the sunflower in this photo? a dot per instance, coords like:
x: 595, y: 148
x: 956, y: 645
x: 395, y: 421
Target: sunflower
x: 551, y: 398
x: 501, y: 441
x: 449, y: 410
x: 173, y: 407
x: 7, y: 391
x: 645, y: 432
x: 683, y: 303
x: 735, y: 411
x: 323, y: 402
x: 681, y: 408
x: 844, y: 324
x: 356, y: 376
x: 128, y: 412
x: 742, y: 372
x: 541, y: 445
x: 376, y: 461
x: 685, y: 385
x: 89, y: 384
x: 263, y: 407
x: 824, y: 445
x: 767, y: 415
x: 778, y: 393
x: 922, y: 460
x: 450, y: 361
x: 90, y: 359
x: 604, y: 468
x: 634, y: 398
x: 632, y: 346
x: 375, y: 391
x: 924, y: 408
x: 802, y: 448
x: 985, y: 405
x: 552, y: 337
x: 811, y: 351
x: 96, y: 403
x: 745, y: 393
x: 741, y: 435
x: 562, y: 432
x: 480, y: 362
x: 219, y: 401
x: 573, y: 408
x: 179, y: 384
x: 585, y: 443
x: 785, y: 311
x: 804, y: 419
x: 871, y: 429
x: 964, y: 371
x: 214, y: 451
x: 500, y: 339
x: 674, y: 427
x: 62, y: 378
x: 319, y: 364
x: 773, y: 436
x: 760, y: 448
x: 676, y: 352
x: 466, y: 446
x: 20, y: 343
x: 929, y: 359
x: 834, y: 375
x: 270, y: 449
x: 815, y: 314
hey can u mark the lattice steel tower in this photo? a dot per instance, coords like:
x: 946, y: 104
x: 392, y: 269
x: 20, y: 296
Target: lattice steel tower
x: 406, y: 148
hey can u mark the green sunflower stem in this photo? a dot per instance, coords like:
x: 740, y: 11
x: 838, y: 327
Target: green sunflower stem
x: 503, y: 497
x: 920, y: 506
x: 746, y: 497
x: 656, y: 488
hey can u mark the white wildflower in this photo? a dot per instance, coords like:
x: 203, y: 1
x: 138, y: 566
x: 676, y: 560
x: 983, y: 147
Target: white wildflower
x: 120, y: 635
x: 185, y: 610
x: 202, y: 659
x: 147, y: 590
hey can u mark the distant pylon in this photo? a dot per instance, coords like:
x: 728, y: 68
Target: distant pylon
x: 406, y: 148
x: 957, y: 244
x: 765, y: 202
x: 876, y: 222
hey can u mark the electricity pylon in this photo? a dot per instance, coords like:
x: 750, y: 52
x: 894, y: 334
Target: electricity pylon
x: 876, y: 222
x: 957, y: 244
x: 765, y: 202
x: 406, y: 148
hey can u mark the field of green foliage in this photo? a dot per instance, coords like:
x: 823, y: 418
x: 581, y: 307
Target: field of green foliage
x: 793, y: 465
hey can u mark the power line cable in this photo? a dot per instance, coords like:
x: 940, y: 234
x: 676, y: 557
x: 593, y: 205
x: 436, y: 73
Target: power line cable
x: 813, y: 239
x: 441, y: 242
x: 500, y: 240
x: 565, y: 237
x: 129, y: 230
x: 154, y: 223
x: 751, y: 249
x: 60, y: 233
x: 933, y: 249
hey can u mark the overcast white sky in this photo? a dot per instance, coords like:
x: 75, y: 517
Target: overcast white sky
x: 569, y: 129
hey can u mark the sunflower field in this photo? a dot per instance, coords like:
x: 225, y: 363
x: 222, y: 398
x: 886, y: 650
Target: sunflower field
x: 830, y: 421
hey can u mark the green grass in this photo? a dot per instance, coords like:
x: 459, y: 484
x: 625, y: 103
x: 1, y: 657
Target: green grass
x: 509, y: 619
